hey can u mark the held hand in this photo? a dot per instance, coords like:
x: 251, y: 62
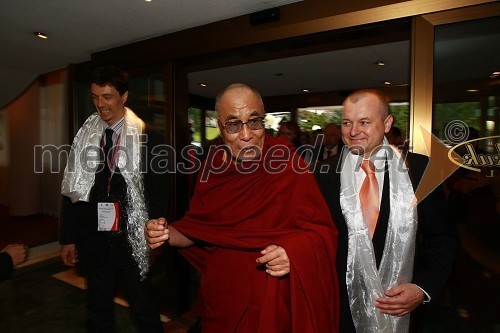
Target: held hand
x: 400, y: 300
x: 156, y: 232
x: 276, y: 261
x: 69, y: 255
x: 17, y: 252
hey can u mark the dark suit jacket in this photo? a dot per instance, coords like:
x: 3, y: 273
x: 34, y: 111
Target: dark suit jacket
x: 321, y: 150
x: 436, y: 243
x: 78, y: 221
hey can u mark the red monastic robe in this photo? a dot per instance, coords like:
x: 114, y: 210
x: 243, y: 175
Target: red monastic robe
x: 234, y: 215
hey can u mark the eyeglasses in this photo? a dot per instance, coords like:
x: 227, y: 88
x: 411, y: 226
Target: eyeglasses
x: 235, y: 126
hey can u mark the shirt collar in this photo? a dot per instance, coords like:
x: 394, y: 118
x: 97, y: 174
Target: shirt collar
x: 117, y: 127
x: 378, y: 159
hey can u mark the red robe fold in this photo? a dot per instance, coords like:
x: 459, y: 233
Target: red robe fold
x: 232, y: 217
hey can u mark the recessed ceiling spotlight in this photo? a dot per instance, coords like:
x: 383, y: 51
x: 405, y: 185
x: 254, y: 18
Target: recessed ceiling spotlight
x: 203, y: 84
x: 387, y: 83
x: 41, y: 35
x: 494, y: 75
x: 148, y: 0
x: 380, y: 63
x: 305, y: 90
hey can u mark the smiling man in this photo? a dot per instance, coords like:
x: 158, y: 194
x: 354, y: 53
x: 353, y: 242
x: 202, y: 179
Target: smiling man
x: 261, y: 237
x: 382, y: 278
x: 105, y: 207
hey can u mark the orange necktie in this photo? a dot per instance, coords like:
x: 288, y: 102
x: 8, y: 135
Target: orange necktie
x: 368, y: 196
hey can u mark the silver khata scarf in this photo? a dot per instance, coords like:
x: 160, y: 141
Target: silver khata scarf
x: 364, y: 282
x: 79, y: 175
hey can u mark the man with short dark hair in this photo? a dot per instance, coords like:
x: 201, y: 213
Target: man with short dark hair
x: 110, y: 189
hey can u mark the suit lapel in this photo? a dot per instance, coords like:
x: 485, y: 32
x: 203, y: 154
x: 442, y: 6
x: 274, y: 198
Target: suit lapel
x: 383, y: 219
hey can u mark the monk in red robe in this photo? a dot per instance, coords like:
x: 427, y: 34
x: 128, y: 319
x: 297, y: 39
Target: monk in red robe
x: 258, y: 230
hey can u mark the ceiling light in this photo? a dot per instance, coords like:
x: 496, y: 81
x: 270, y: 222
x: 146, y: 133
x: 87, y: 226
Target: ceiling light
x: 472, y: 90
x: 305, y: 90
x: 41, y: 35
x: 380, y: 63
x: 490, y: 125
x: 387, y: 83
x: 494, y: 75
x: 148, y: 0
x: 203, y: 84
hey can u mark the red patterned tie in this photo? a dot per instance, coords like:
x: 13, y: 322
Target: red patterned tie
x: 368, y: 196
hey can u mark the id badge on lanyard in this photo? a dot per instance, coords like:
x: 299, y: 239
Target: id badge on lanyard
x: 108, y: 216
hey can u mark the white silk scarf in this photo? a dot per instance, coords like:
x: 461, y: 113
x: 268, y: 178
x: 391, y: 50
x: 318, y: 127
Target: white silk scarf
x: 364, y: 282
x: 83, y: 161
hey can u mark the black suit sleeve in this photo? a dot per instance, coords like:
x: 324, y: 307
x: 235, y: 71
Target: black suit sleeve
x: 6, y: 266
x: 68, y: 221
x: 436, y: 243
x: 156, y: 178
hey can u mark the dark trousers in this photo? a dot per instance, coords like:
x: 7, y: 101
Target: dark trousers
x: 101, y: 286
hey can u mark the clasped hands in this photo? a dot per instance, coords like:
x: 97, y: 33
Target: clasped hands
x: 158, y: 232
x: 400, y: 300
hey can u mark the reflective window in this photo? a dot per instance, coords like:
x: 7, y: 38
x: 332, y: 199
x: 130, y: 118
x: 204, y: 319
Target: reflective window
x: 273, y: 120
x: 466, y: 81
x: 147, y: 99
x: 202, y: 120
x: 210, y: 125
x: 311, y: 118
x: 466, y: 107
x: 194, y: 124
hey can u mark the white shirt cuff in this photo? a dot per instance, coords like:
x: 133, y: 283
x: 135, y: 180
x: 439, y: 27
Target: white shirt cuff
x: 427, y: 297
